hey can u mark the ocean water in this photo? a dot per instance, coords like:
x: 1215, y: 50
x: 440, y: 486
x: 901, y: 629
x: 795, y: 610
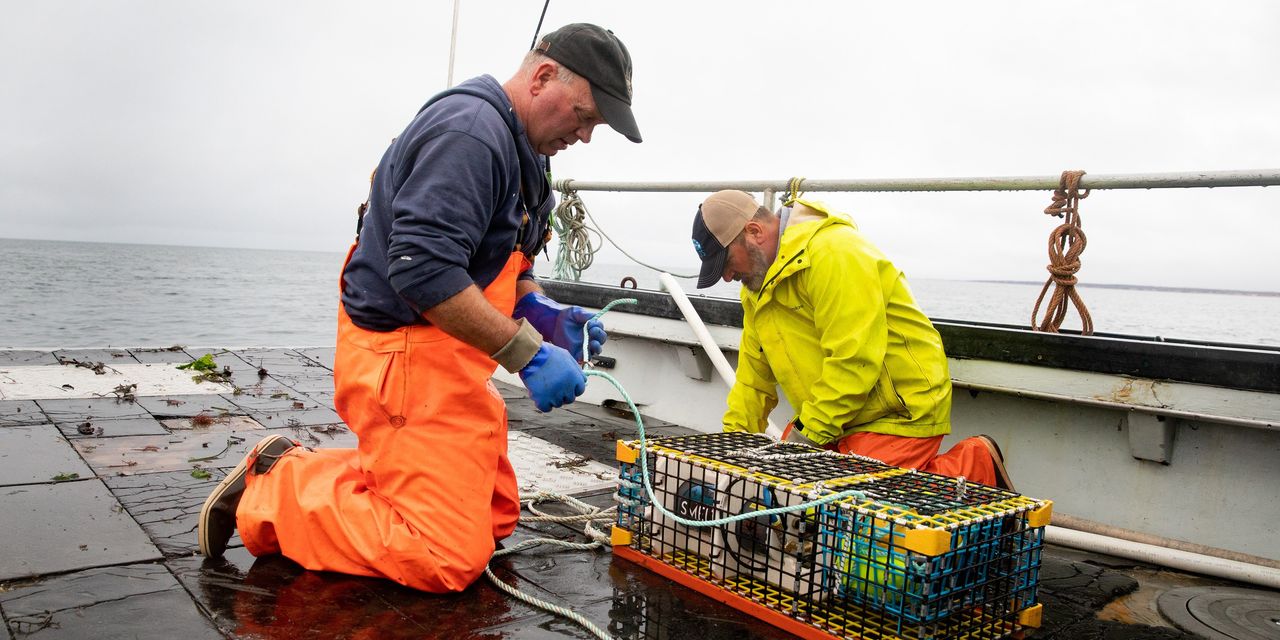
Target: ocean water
x: 76, y: 294
x: 80, y: 294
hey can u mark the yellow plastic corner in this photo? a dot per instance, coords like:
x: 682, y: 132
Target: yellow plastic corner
x: 1040, y: 517
x: 620, y: 537
x: 930, y: 542
x: 1030, y: 617
x: 626, y: 453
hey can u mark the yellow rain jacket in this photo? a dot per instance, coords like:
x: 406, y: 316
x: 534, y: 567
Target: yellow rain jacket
x: 836, y: 326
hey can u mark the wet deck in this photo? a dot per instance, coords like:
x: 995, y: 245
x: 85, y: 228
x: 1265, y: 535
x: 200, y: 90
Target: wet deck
x: 101, y: 493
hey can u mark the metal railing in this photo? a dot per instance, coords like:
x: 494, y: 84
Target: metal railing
x: 1186, y: 180
x: 1210, y: 179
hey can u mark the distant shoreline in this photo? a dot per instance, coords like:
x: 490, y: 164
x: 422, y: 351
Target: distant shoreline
x: 1143, y: 287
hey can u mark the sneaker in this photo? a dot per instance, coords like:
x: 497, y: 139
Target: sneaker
x: 218, y: 515
x: 997, y: 461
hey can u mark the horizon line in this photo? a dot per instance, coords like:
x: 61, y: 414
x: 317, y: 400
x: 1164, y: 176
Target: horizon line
x: 1098, y: 285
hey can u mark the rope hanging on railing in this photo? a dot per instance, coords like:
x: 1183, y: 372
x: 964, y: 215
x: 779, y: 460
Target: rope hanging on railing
x: 1066, y: 243
x: 576, y: 251
x: 793, y: 191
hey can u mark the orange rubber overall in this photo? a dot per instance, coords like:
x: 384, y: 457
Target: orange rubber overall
x: 428, y: 492
x: 969, y: 457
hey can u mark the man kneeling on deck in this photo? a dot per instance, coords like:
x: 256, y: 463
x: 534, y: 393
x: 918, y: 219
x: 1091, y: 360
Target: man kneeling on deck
x: 830, y: 319
x: 438, y: 292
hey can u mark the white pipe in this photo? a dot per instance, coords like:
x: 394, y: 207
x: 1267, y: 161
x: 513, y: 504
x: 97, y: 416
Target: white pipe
x: 704, y: 337
x: 1076, y: 523
x: 1172, y: 558
x: 699, y: 328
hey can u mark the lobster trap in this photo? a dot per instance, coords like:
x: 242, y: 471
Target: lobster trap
x: 892, y: 553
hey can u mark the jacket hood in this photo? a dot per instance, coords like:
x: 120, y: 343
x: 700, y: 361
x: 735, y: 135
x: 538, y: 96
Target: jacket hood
x: 533, y: 166
x: 795, y: 240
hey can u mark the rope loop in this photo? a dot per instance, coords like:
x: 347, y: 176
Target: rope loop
x: 794, y: 192
x: 1066, y: 243
x: 576, y: 250
x: 589, y: 515
x: 1067, y: 197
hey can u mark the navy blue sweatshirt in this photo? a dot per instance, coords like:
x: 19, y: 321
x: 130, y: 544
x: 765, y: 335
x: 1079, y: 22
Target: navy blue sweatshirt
x: 446, y: 207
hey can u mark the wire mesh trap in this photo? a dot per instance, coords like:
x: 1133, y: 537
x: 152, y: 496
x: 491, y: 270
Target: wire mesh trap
x: 826, y: 545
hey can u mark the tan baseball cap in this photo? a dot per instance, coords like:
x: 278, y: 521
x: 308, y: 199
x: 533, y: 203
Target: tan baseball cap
x: 719, y: 220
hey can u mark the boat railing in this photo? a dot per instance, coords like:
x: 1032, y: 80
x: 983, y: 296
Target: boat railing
x: 1247, y: 368
x: 1182, y: 180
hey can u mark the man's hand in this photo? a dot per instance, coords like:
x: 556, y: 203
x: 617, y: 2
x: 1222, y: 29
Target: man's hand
x: 553, y: 378
x: 561, y: 324
x: 793, y: 434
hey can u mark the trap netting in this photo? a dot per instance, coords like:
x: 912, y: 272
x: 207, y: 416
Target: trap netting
x: 904, y: 554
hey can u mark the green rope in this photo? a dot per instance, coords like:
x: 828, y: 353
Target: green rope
x: 600, y: 539
x: 576, y: 251
x: 644, y: 465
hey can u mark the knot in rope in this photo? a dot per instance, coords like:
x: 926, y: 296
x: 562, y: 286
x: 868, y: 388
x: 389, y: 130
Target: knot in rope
x: 793, y: 191
x: 1066, y: 243
x: 1067, y: 197
x: 576, y: 250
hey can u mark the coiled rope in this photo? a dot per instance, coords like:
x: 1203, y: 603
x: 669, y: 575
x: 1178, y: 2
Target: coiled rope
x: 577, y: 251
x: 591, y: 514
x: 1066, y: 243
x: 588, y: 515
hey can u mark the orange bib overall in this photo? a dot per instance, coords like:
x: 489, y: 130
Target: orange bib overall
x: 968, y: 458
x: 428, y: 492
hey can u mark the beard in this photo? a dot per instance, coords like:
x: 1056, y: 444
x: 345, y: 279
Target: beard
x: 759, y: 263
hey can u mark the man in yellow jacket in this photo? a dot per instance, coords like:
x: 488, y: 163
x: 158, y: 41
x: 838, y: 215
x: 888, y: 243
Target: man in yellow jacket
x: 827, y: 317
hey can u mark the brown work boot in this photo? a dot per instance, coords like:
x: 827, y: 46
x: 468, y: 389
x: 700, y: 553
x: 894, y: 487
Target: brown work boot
x: 218, y: 515
x: 997, y: 461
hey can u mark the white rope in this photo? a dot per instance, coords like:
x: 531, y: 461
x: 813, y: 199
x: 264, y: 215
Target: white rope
x: 576, y: 251
x: 589, y: 514
x: 759, y: 454
x: 542, y: 604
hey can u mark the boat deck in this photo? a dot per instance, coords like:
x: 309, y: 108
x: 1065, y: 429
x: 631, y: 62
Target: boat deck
x: 102, y: 484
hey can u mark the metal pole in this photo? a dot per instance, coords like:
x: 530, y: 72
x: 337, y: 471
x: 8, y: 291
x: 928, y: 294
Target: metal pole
x: 1199, y: 179
x: 708, y: 343
x: 453, y: 42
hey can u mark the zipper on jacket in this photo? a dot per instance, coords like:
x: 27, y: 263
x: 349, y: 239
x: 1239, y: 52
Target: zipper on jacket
x: 779, y: 273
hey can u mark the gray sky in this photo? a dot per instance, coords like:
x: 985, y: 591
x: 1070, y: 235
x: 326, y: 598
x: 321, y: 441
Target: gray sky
x: 255, y: 124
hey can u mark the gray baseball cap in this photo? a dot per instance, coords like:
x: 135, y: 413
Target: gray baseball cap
x: 599, y: 56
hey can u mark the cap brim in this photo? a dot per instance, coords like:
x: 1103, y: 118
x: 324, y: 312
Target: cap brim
x: 712, y: 269
x: 617, y: 114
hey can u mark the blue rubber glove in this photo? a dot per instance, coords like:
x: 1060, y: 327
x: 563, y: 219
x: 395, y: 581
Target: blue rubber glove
x: 553, y: 378
x: 561, y: 324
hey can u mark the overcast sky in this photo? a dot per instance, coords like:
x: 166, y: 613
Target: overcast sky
x: 255, y: 123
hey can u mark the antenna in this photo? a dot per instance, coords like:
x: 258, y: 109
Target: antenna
x: 539, y: 29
